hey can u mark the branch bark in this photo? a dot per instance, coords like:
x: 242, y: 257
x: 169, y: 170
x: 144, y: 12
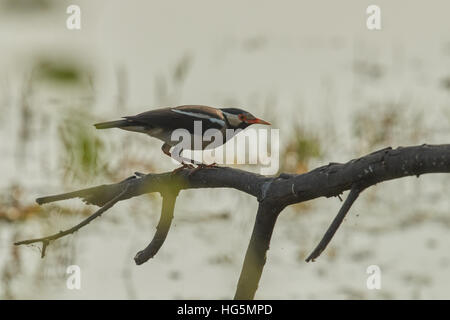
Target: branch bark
x: 46, y: 240
x: 162, y: 229
x: 354, y: 193
x: 273, y: 194
x: 256, y: 255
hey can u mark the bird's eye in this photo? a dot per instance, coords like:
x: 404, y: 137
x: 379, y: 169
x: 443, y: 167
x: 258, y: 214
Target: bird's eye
x: 241, y: 117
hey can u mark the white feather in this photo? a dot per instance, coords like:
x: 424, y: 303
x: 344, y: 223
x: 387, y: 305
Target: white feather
x: 201, y: 116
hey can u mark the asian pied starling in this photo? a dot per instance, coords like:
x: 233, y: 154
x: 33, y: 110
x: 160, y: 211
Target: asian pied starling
x: 160, y: 123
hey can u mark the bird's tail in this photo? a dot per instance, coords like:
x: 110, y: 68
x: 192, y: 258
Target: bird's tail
x: 112, y: 124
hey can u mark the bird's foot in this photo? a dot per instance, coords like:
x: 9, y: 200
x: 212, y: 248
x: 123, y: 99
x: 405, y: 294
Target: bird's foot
x: 211, y: 165
x: 183, y: 166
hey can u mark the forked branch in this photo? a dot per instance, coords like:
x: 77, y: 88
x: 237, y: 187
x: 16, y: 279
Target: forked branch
x: 46, y: 240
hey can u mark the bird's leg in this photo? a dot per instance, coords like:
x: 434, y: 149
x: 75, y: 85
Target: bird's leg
x: 166, y: 149
x: 212, y: 165
x: 184, y: 165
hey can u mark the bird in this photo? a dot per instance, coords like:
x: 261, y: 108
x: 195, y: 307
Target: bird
x: 162, y: 122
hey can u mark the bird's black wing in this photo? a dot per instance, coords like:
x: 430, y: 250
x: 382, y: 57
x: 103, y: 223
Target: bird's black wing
x: 180, y: 117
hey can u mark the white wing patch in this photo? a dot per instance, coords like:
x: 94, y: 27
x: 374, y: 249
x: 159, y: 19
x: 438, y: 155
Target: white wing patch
x: 200, y: 115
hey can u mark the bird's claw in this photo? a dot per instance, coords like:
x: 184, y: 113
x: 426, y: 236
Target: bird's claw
x: 194, y: 169
x: 203, y: 166
x: 183, y: 166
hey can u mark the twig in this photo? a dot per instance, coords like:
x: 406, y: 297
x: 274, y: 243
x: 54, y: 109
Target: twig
x: 46, y: 240
x: 168, y: 205
x: 353, y: 195
x: 98, y: 196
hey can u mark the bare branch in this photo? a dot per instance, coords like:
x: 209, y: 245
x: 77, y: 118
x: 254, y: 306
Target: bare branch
x: 255, y: 258
x: 46, y: 240
x: 168, y: 205
x: 212, y: 177
x: 354, y: 193
x: 326, y: 181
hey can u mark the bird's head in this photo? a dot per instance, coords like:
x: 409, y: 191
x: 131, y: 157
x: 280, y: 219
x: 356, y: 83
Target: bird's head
x: 240, y: 119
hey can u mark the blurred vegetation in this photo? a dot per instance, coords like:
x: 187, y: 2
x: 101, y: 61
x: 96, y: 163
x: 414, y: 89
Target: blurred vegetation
x: 368, y: 69
x: 61, y: 70
x: 386, y: 124
x: 26, y: 118
x: 54, y: 78
x: 374, y: 128
x: 13, y: 207
x: 59, y: 73
x: 446, y: 83
x: 84, y: 155
x: 80, y: 149
x: 303, y: 147
x: 26, y: 5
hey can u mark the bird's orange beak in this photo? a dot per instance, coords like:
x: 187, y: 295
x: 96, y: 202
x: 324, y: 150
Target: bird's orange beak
x: 256, y: 120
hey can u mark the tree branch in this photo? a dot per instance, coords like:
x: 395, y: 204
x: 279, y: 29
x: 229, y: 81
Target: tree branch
x: 273, y: 193
x: 256, y: 255
x: 354, y: 193
x: 46, y: 240
x: 168, y: 205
